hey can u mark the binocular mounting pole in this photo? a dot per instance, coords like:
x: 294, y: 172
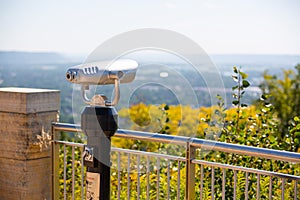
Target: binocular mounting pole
x: 99, y: 121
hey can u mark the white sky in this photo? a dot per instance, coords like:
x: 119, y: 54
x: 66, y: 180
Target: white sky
x: 218, y: 26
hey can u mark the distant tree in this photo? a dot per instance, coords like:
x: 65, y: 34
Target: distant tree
x: 297, y: 90
x: 284, y: 95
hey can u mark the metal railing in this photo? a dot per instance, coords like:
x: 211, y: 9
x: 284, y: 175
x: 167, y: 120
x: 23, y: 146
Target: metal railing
x: 152, y: 175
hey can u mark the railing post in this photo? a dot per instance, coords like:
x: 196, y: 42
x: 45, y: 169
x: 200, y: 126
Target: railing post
x: 190, y: 172
x: 55, y: 164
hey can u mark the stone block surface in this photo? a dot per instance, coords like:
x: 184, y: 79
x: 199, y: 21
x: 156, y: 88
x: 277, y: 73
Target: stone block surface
x: 25, y: 179
x: 26, y: 136
x: 28, y: 100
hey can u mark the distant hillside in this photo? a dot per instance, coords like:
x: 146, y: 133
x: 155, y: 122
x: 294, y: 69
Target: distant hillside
x: 260, y: 62
x: 24, y: 58
x: 256, y: 61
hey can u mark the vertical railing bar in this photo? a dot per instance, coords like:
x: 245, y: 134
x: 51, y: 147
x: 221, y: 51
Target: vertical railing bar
x: 138, y: 176
x: 65, y: 173
x: 246, y: 185
x: 282, y: 188
x: 55, y: 150
x: 82, y: 177
x: 258, y: 187
x: 270, y: 188
x: 201, y: 181
x: 190, y: 172
x: 234, y: 187
x: 158, y: 177
x: 168, y: 179
x: 73, y: 174
x: 178, y: 181
x: 223, y: 183
x: 148, y: 177
x: 295, y: 190
x: 128, y: 176
x: 212, y: 183
x: 119, y: 175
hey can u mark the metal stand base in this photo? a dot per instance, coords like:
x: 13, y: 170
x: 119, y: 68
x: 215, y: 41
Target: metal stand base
x: 99, y: 124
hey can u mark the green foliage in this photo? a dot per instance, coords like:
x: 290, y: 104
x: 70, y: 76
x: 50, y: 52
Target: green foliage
x: 294, y: 134
x: 284, y: 95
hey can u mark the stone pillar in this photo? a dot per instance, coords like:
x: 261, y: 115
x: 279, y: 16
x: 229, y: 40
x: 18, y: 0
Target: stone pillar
x: 25, y: 134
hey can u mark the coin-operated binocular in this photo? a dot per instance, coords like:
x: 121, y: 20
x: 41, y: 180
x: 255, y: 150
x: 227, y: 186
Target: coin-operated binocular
x: 103, y: 73
x: 99, y: 119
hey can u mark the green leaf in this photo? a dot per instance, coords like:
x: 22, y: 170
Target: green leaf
x: 235, y: 70
x: 246, y: 84
x: 235, y: 78
x: 234, y: 87
x: 268, y: 105
x: 244, y: 75
x: 235, y: 102
x: 166, y: 107
x: 244, y: 105
x: 263, y: 97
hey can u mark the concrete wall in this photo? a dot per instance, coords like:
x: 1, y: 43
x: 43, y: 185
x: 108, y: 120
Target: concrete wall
x: 25, y: 125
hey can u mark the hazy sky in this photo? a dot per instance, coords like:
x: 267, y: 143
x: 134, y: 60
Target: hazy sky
x: 218, y: 26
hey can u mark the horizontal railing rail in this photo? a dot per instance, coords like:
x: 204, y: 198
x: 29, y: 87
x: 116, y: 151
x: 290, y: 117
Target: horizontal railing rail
x: 246, y: 169
x: 151, y: 154
x: 201, y: 143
